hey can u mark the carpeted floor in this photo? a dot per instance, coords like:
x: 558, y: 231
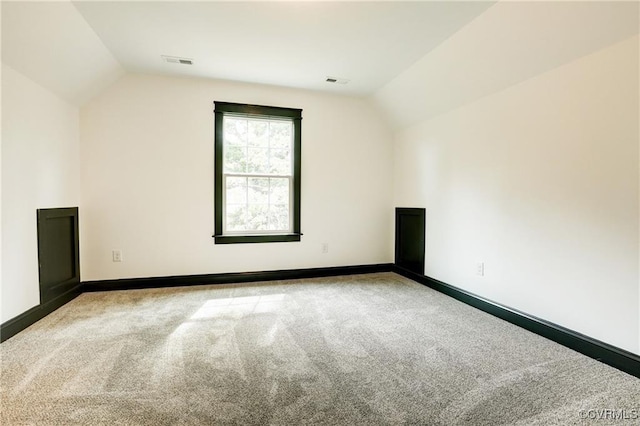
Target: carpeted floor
x: 359, y: 350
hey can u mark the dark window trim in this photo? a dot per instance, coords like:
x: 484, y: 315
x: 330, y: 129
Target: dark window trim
x: 227, y: 108
x: 269, y: 238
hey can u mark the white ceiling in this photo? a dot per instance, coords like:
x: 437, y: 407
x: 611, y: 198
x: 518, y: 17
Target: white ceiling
x: 416, y: 59
x: 295, y: 44
x: 74, y: 48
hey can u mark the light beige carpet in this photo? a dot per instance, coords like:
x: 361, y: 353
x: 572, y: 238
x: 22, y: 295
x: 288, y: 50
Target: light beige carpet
x: 368, y: 349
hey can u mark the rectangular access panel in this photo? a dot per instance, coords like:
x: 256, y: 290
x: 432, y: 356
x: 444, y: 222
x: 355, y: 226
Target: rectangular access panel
x: 410, y: 239
x: 58, y: 252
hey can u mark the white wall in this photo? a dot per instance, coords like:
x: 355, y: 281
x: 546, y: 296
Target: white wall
x: 1, y: 287
x: 40, y: 169
x: 147, y: 181
x: 540, y: 182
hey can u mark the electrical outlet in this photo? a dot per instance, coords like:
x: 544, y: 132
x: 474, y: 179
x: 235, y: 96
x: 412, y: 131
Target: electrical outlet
x: 325, y: 247
x: 480, y: 269
x: 116, y: 255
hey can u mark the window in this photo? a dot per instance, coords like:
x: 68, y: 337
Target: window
x: 257, y: 173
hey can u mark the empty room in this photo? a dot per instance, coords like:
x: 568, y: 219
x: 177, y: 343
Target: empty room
x: 318, y: 212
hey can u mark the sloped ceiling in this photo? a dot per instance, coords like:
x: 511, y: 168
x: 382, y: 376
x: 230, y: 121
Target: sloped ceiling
x: 294, y: 44
x: 414, y: 59
x: 72, y: 47
x: 52, y: 44
x: 509, y: 43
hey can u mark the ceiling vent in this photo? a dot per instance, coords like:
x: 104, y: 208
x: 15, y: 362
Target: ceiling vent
x: 337, y: 80
x: 177, y: 60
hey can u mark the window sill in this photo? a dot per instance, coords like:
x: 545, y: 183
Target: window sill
x: 243, y: 239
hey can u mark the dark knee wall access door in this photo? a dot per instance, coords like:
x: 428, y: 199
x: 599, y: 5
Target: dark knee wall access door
x: 410, y: 239
x: 58, y: 252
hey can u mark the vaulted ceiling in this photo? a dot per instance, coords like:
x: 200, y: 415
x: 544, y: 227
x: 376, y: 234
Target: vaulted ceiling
x: 415, y: 59
x: 296, y: 44
x: 509, y: 43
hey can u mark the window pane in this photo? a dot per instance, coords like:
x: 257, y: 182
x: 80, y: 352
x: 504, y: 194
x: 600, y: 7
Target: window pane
x: 280, y: 161
x: 280, y: 134
x: 235, y: 131
x: 258, y: 190
x: 258, y: 160
x: 279, y: 191
x: 259, y: 133
x: 257, y: 204
x: 236, y: 217
x: 235, y: 159
x: 279, y: 217
x: 258, y: 219
x: 236, y: 190
x: 279, y: 204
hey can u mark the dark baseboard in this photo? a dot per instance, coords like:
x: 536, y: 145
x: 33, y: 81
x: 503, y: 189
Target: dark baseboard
x: 230, y: 278
x: 33, y: 315
x: 601, y: 351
